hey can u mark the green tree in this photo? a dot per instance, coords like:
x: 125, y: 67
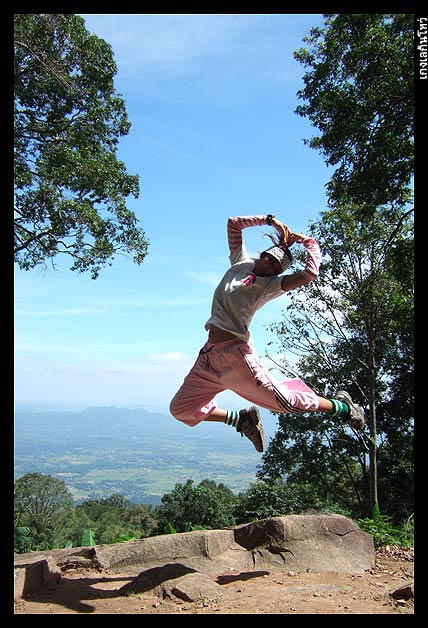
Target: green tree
x: 79, y: 523
x: 70, y: 188
x: 22, y: 539
x: 275, y: 497
x: 44, y: 505
x: 112, y: 516
x: 198, y: 505
x: 359, y: 94
x: 227, y: 492
x: 353, y: 329
x: 140, y: 519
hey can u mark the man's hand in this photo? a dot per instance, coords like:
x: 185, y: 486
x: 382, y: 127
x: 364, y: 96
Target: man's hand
x: 295, y: 237
x: 282, y: 228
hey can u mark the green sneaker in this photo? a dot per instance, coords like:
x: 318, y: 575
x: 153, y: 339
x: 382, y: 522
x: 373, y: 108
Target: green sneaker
x: 356, y: 417
x: 249, y: 425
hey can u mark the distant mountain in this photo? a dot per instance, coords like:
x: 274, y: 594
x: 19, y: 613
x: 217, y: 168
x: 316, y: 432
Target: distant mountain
x: 121, y: 422
x: 99, y: 419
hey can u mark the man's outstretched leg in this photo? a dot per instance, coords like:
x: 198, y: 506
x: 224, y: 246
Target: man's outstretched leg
x: 247, y: 421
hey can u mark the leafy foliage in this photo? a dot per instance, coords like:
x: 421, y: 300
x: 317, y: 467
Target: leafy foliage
x: 112, y: 518
x: 22, y: 540
x: 122, y: 538
x: 359, y: 93
x: 202, y: 505
x: 265, y: 498
x: 188, y: 527
x: 44, y: 505
x: 88, y: 538
x: 275, y: 497
x: 352, y: 329
x: 70, y: 188
x: 383, y: 531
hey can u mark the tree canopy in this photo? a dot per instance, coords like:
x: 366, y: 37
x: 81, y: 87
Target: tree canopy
x: 70, y: 188
x: 44, y: 504
x: 359, y: 94
x: 204, y: 505
x: 353, y: 328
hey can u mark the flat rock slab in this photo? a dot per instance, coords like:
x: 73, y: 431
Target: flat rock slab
x: 195, y: 587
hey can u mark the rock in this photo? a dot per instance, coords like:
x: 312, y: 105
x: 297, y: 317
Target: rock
x: 176, y: 580
x: 196, y: 548
x: 319, y: 543
x: 154, y: 577
x: 195, y: 587
x: 405, y: 592
x: 293, y: 543
x: 297, y: 542
x: 28, y: 577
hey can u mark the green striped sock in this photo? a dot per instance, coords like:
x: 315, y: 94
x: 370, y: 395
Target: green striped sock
x: 232, y: 418
x: 339, y: 408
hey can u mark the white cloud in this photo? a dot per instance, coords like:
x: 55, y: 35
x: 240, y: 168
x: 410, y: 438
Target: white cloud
x: 172, y: 356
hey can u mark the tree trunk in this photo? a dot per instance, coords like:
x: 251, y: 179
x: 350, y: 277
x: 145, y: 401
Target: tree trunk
x: 372, y: 446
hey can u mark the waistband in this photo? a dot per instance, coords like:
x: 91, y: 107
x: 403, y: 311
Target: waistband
x: 226, y: 344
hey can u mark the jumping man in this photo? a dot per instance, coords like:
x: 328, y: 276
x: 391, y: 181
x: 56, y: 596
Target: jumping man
x: 229, y: 361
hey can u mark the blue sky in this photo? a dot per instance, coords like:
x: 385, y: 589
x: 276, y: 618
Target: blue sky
x: 211, y: 99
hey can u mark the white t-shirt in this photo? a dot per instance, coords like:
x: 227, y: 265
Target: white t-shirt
x: 240, y: 294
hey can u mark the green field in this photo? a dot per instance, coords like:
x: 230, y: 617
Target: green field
x: 141, y: 460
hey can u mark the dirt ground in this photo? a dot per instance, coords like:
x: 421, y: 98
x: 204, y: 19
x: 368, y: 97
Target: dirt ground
x: 251, y: 593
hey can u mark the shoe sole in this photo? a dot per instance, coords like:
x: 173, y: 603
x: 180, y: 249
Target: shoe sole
x: 253, y: 412
x: 262, y: 436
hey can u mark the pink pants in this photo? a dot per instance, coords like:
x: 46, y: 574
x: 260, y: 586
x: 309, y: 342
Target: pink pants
x: 234, y: 365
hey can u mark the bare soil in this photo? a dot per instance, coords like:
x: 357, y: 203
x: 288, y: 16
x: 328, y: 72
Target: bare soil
x: 258, y: 592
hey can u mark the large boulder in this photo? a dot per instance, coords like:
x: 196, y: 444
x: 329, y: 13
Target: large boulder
x: 196, y: 549
x: 319, y: 543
